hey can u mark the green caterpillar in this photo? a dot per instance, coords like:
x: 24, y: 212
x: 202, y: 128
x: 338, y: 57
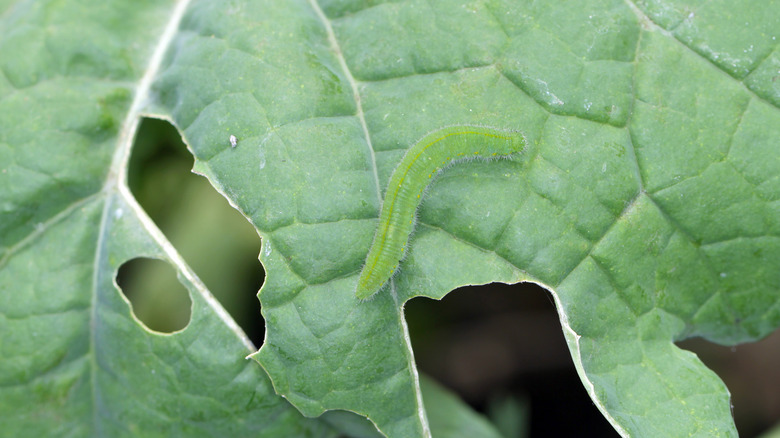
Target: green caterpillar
x: 432, y: 153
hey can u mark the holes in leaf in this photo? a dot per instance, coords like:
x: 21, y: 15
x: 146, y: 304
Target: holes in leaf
x: 501, y: 347
x: 215, y: 240
x: 501, y: 344
x: 156, y: 296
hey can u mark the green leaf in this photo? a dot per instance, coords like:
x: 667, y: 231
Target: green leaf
x: 75, y: 361
x: 449, y: 417
x: 647, y: 202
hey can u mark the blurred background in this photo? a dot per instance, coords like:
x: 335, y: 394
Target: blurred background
x: 500, y: 347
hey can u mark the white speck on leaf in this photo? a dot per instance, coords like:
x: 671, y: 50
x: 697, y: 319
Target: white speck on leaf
x: 261, y: 159
x: 233, y: 141
x: 552, y: 98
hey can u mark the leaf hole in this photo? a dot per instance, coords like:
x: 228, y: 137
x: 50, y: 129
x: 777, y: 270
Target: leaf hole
x: 156, y: 296
x: 504, y: 342
x: 215, y: 240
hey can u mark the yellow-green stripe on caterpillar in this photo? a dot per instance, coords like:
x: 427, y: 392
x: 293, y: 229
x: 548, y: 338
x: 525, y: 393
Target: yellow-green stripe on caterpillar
x: 432, y: 153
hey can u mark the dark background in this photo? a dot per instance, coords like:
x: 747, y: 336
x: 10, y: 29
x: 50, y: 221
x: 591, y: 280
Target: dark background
x: 500, y: 347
